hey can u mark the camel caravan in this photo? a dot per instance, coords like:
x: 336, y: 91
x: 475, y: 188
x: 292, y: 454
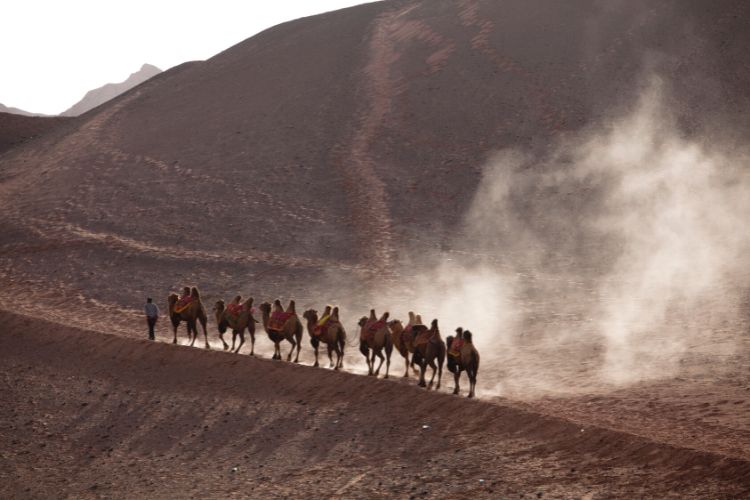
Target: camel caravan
x: 420, y: 346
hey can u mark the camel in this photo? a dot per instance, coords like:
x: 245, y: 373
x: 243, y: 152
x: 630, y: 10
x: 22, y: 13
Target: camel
x: 374, y: 336
x: 290, y: 329
x: 332, y: 335
x: 403, y: 340
x: 193, y: 313
x: 467, y: 359
x: 428, y: 347
x: 239, y: 321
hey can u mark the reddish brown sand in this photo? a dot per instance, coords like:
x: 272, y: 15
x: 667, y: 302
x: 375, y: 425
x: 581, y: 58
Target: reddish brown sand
x: 93, y: 415
x: 305, y: 162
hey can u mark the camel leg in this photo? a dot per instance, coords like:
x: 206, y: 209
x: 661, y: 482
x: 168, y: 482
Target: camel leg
x: 387, y: 363
x: 174, y: 330
x: 316, y: 355
x: 440, y: 373
x: 422, y: 369
x: 242, y: 341
x: 381, y: 357
x: 252, y: 343
x: 472, y: 382
x: 291, y: 351
x: 276, y: 350
x: 366, y: 353
x: 330, y: 355
x: 456, y: 376
x: 221, y: 337
x: 234, y: 339
x: 205, y: 331
x: 434, y: 371
x: 299, y: 343
x: 338, y: 356
x: 192, y: 332
x: 406, y: 362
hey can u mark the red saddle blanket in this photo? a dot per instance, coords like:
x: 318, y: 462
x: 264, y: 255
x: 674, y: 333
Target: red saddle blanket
x: 456, y: 346
x: 182, y: 304
x: 369, y: 333
x: 323, y: 329
x: 424, y: 337
x: 234, y: 309
x: 279, y: 319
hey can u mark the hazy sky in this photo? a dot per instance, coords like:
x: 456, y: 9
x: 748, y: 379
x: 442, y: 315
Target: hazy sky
x: 53, y: 51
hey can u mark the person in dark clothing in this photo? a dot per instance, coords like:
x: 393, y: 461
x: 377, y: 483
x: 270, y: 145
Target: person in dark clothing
x: 152, y: 314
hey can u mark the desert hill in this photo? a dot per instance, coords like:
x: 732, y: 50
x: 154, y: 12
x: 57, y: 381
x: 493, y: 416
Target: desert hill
x: 96, y: 97
x: 154, y: 419
x: 15, y: 111
x: 566, y: 179
x: 16, y: 129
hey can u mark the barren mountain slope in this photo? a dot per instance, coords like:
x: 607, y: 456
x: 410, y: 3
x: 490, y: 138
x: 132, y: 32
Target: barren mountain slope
x: 348, y: 158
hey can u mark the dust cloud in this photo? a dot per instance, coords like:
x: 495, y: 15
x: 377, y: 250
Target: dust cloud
x: 610, y: 259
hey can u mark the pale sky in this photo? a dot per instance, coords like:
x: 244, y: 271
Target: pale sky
x: 53, y: 51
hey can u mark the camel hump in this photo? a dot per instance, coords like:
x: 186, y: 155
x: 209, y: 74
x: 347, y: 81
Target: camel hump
x: 372, y: 315
x: 291, y: 306
x: 335, y: 313
x: 195, y: 293
x: 384, y: 318
x: 467, y: 337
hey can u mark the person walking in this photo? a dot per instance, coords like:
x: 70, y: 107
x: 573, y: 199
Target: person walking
x: 152, y: 314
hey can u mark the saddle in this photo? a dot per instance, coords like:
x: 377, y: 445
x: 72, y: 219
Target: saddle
x: 456, y: 346
x: 234, y: 310
x: 183, y: 304
x: 424, y: 337
x: 407, y: 336
x: 369, y: 333
x: 321, y: 328
x: 279, y: 319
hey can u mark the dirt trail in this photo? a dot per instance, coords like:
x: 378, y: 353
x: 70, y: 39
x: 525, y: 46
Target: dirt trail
x: 90, y: 415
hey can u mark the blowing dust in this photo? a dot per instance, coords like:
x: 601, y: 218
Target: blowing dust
x: 616, y: 258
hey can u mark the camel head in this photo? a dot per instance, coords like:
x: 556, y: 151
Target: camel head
x: 362, y: 321
x: 219, y: 305
x: 265, y: 308
x: 310, y: 315
x: 172, y: 299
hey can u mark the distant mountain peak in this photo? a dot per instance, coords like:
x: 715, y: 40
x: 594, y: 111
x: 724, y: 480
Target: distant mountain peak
x: 96, y: 97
